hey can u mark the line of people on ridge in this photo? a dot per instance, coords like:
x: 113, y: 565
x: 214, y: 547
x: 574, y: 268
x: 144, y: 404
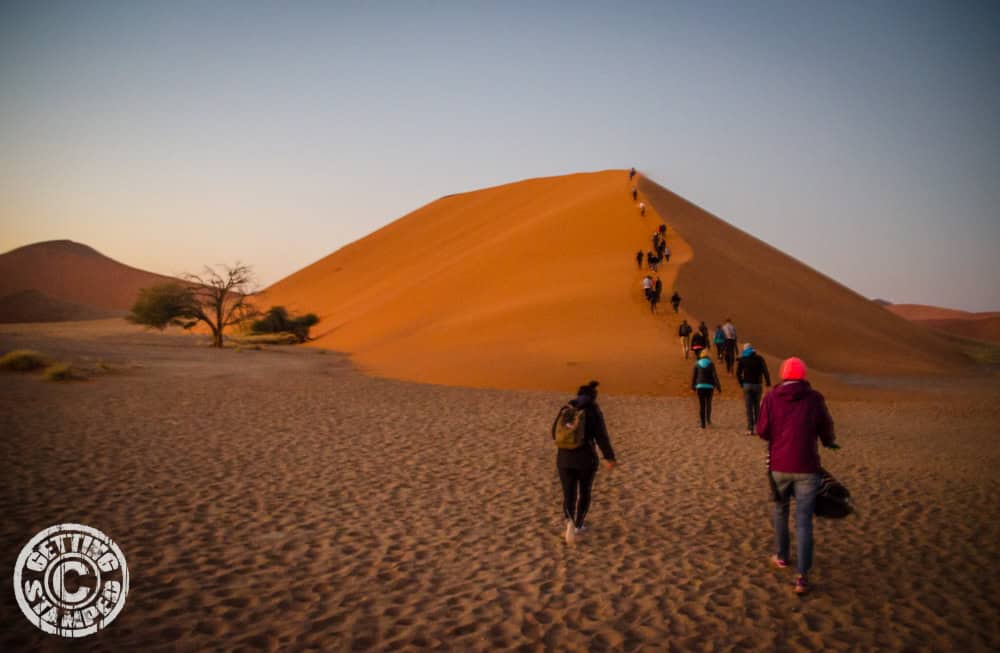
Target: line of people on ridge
x: 660, y: 253
x: 791, y: 419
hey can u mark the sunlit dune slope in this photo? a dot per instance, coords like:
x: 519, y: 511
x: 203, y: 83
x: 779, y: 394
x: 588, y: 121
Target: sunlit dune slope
x: 981, y: 326
x: 786, y: 308
x: 534, y: 284
x: 66, y: 273
x: 527, y: 285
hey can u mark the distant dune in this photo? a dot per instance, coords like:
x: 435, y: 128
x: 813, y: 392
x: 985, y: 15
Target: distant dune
x: 980, y: 326
x: 36, y: 306
x: 63, y: 280
x: 534, y: 284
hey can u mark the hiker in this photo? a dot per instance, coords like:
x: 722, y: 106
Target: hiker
x: 792, y: 417
x: 577, y: 466
x: 684, y: 331
x: 653, y: 260
x: 642, y: 209
x: 656, y: 241
x: 730, y: 354
x: 635, y: 193
x: 638, y: 258
x: 751, y: 370
x: 661, y: 247
x: 631, y: 173
x: 703, y: 330
x: 675, y: 299
x: 647, y: 287
x: 657, y: 291
x: 666, y: 252
x: 663, y: 230
x: 719, y: 338
x: 699, y: 343
x: 704, y: 381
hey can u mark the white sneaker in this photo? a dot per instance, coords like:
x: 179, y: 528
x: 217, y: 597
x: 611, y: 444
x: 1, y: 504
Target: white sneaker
x: 580, y: 530
x: 570, y: 533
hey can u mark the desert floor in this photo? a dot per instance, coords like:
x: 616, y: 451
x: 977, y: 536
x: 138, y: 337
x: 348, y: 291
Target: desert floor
x: 280, y: 500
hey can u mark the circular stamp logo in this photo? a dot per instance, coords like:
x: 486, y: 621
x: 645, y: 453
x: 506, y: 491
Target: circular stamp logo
x: 71, y: 580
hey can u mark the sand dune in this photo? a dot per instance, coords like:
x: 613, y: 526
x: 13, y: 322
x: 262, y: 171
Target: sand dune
x: 980, y: 326
x: 923, y: 312
x: 68, y: 273
x: 36, y: 306
x: 534, y: 285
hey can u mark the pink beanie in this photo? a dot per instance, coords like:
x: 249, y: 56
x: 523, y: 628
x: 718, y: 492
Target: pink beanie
x: 793, y: 369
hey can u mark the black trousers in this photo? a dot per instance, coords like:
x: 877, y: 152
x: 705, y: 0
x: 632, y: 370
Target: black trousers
x: 576, y: 484
x: 730, y: 354
x: 705, y: 405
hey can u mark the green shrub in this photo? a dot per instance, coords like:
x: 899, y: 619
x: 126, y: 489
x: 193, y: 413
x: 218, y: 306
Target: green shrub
x: 23, y: 360
x: 61, y: 372
x: 277, y: 320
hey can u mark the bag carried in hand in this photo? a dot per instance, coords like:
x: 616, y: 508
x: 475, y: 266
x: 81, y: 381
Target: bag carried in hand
x: 569, y: 428
x: 833, y: 500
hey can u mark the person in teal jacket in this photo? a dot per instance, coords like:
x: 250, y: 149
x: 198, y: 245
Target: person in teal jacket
x: 704, y: 381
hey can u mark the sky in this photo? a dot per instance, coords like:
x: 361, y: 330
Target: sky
x: 858, y: 137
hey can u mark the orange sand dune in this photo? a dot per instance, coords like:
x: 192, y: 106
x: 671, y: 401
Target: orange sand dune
x: 921, y: 312
x: 65, y: 271
x: 534, y: 285
x: 981, y: 326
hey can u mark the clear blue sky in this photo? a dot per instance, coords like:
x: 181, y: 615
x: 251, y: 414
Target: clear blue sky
x: 859, y: 137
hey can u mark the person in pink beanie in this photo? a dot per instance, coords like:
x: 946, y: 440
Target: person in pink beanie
x: 793, y: 417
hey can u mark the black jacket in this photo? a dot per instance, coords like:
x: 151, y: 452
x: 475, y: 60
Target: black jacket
x: 595, y: 432
x: 684, y: 329
x: 705, y: 375
x: 698, y: 340
x: 751, y: 369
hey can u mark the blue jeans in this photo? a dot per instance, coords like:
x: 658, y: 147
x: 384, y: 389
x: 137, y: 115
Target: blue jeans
x: 804, y: 487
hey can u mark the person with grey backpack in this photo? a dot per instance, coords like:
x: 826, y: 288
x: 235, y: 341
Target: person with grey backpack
x: 577, y: 429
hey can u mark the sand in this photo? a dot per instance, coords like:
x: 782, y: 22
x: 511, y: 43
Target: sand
x: 281, y: 500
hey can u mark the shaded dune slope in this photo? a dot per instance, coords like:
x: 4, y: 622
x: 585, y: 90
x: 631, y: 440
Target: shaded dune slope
x: 786, y: 308
x: 534, y: 285
x: 65, y: 276
x: 36, y: 306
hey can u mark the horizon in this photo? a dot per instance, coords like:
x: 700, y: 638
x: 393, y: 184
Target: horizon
x: 168, y: 137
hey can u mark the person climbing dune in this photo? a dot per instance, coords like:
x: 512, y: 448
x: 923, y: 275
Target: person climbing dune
x: 579, y: 428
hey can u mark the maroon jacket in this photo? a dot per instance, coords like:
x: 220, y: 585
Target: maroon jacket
x: 792, y: 417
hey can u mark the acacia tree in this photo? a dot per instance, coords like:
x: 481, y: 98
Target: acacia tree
x: 217, y: 297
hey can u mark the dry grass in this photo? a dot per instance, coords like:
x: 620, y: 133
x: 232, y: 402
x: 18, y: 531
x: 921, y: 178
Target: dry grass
x: 23, y: 360
x: 61, y: 372
x: 266, y: 339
